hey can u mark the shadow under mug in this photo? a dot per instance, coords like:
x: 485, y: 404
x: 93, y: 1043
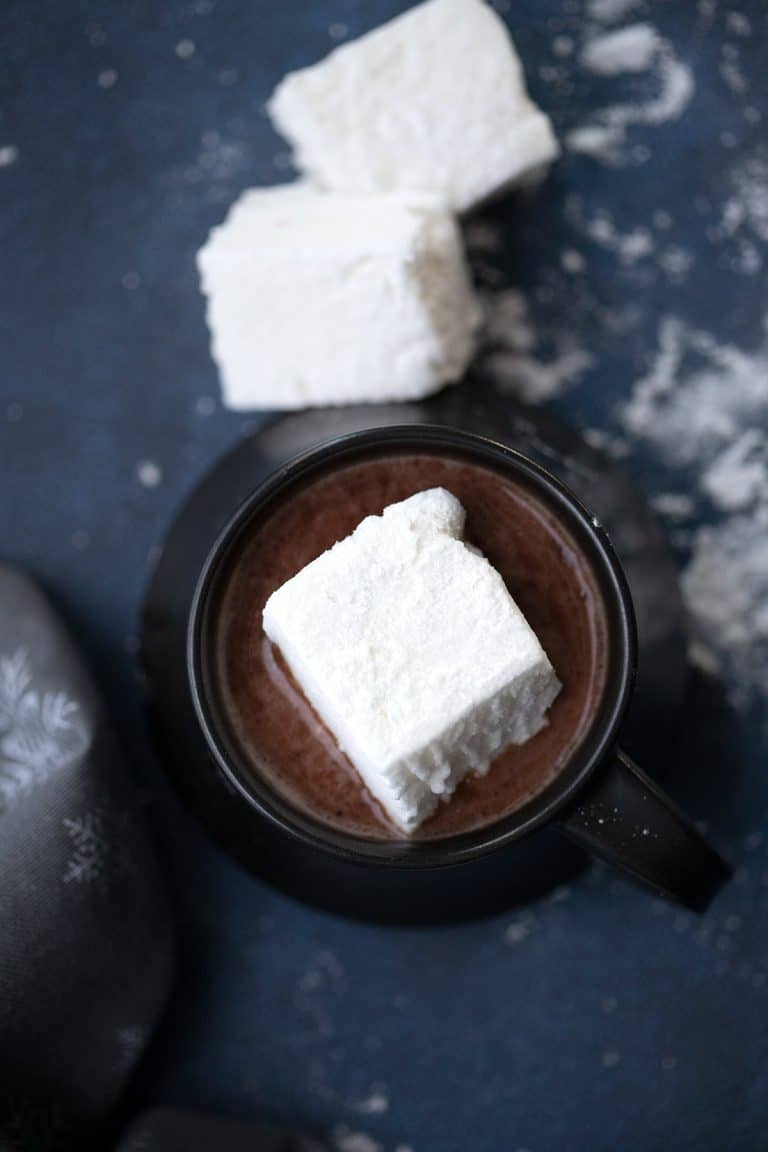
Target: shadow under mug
x: 600, y: 799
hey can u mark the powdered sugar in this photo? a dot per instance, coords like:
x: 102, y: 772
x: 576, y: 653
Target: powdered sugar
x: 515, y: 358
x: 601, y: 230
x: 635, y: 49
x: 726, y: 589
x: 703, y: 404
x: 738, y: 476
x: 346, y: 1140
x: 743, y: 224
x: 698, y: 394
x: 630, y: 49
x: 609, y: 11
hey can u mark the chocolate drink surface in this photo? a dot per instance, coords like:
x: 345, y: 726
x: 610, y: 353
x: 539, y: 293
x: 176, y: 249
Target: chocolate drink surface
x: 285, y: 742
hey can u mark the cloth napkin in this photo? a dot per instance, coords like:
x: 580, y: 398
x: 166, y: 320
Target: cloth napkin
x: 85, y: 934
x: 86, y: 946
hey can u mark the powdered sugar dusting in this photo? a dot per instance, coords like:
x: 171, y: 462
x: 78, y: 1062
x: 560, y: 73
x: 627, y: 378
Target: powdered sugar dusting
x: 739, y: 475
x: 375, y: 1104
x: 630, y: 49
x: 609, y: 11
x: 635, y: 49
x: 515, y: 358
x: 703, y: 405
x: 346, y: 1140
x: 726, y: 589
x: 698, y: 394
x: 742, y: 227
x: 601, y: 230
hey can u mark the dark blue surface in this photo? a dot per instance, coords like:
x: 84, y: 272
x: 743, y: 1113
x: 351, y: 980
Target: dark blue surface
x: 602, y: 1020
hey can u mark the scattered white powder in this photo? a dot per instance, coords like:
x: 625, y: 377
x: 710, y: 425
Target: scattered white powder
x: 205, y: 405
x: 608, y: 11
x: 630, y: 49
x: 601, y: 230
x: 704, y: 406
x: 738, y: 476
x: 614, y: 446
x: 149, y: 473
x: 9, y: 154
x: 743, y: 223
x: 572, y: 261
x: 217, y: 169
x: 707, y: 10
x: 698, y: 394
x: 373, y: 1105
x: 730, y: 69
x: 597, y: 140
x: 519, y: 929
x: 726, y: 589
x: 562, y: 46
x: 737, y: 23
x: 673, y: 505
x: 751, y: 189
x: 513, y: 357
x: 676, y: 263
x: 345, y: 1140
x: 217, y: 157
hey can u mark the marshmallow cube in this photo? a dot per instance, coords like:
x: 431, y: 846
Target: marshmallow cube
x: 433, y: 101
x: 411, y: 650
x: 324, y: 299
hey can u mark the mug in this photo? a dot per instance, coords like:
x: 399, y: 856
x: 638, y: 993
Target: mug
x: 600, y: 799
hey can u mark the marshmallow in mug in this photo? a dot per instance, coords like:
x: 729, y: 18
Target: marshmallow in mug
x: 410, y: 648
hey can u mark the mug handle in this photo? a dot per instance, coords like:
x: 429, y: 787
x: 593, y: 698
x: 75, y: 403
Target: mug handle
x: 622, y: 817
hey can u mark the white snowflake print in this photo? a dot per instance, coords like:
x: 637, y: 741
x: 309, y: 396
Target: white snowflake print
x: 40, y: 733
x: 15, y: 678
x: 87, y: 863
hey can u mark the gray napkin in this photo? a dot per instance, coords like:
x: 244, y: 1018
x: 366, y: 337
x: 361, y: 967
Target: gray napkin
x: 85, y: 938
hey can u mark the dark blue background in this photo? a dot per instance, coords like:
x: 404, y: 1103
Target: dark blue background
x: 601, y: 1020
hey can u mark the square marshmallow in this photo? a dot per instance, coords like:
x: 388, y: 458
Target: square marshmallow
x: 325, y: 299
x: 433, y: 101
x: 412, y: 651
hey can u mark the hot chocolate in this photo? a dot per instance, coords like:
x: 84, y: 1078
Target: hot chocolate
x: 546, y: 573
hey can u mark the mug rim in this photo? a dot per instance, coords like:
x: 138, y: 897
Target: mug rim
x: 287, y: 819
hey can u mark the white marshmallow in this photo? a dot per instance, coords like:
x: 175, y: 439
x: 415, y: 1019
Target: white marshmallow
x: 433, y: 101
x: 324, y: 299
x: 412, y: 651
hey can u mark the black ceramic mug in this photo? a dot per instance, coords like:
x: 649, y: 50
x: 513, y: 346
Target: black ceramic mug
x: 600, y: 799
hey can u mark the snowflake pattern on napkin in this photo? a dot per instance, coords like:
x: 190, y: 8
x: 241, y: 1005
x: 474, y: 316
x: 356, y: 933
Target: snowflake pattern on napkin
x: 41, y: 732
